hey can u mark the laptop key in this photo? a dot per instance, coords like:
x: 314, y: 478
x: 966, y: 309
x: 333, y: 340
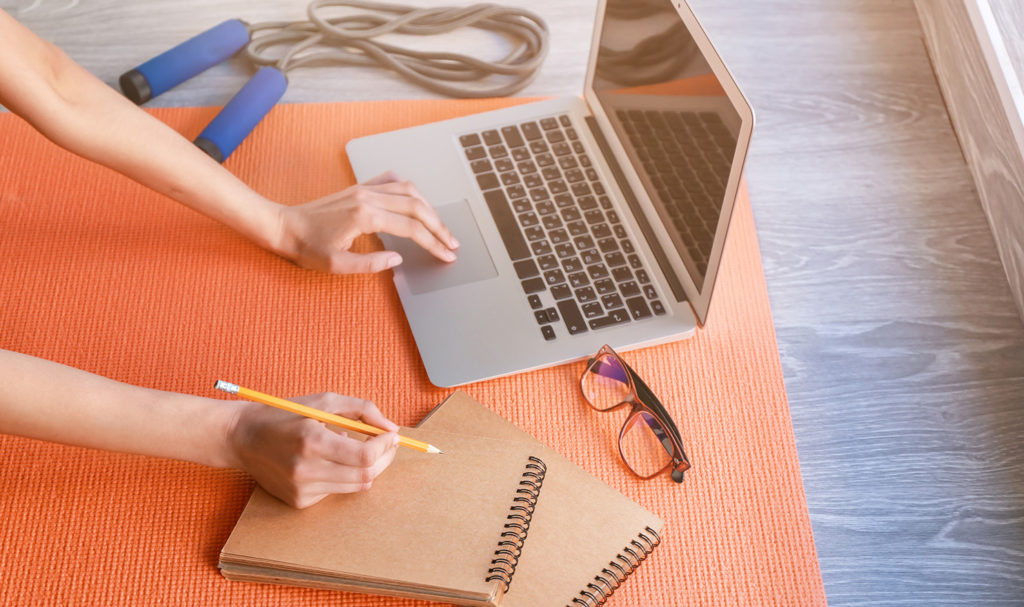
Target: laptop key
x: 595, y: 216
x: 555, y: 136
x: 531, y: 131
x: 534, y: 285
x: 612, y: 301
x: 476, y: 152
x: 539, y: 194
x: 588, y: 203
x: 565, y: 250
x: 584, y: 242
x: 627, y: 246
x: 512, y: 136
x: 574, y: 175
x: 540, y: 247
x: 551, y: 173
x: 522, y: 205
x: 557, y: 235
x: 564, y: 119
x: 548, y: 124
x: 634, y: 261
x: 541, y: 316
x: 629, y: 289
x: 572, y: 264
x: 576, y: 228
x: 547, y: 262
x: 592, y: 309
x: 598, y: 270
x: 520, y: 154
x: 547, y: 332
x: 497, y: 151
x: 567, y: 162
x: 622, y: 274
x: 540, y: 147
x: 638, y: 307
x: 528, y: 219
x: 517, y: 191
x: 561, y: 291
x: 545, y: 208
x: 620, y: 232
x: 558, y: 186
x: 491, y: 137
x: 607, y: 245
x: 554, y: 277
x: 504, y: 164
x: 649, y: 292
x: 534, y: 301
x: 526, y: 268
x: 545, y: 160
x: 552, y: 314
x: 585, y: 294
x: 578, y: 279
x: 604, y: 286
x: 657, y: 307
x: 642, y: 277
x: 590, y: 256
x: 564, y: 201
x: 509, y: 178
x: 469, y: 140
x: 561, y: 149
x: 615, y: 259
x: 580, y: 188
x: 571, y: 316
x: 505, y: 220
x: 480, y: 166
x: 615, y: 317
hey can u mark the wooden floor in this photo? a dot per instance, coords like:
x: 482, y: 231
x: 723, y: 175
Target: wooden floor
x: 903, y: 351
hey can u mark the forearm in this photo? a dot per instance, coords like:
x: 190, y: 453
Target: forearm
x: 82, y: 114
x: 49, y: 401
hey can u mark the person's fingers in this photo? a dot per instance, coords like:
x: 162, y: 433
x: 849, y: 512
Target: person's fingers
x: 405, y: 199
x: 373, y: 416
x: 401, y: 225
x: 385, y: 177
x: 369, y: 456
x: 347, y: 262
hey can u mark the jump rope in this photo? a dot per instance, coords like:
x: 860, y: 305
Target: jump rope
x: 279, y: 47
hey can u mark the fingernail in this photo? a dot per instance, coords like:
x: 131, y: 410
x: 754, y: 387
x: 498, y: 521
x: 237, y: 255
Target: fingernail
x: 453, y: 243
x: 394, y: 441
x: 448, y: 256
x: 393, y: 260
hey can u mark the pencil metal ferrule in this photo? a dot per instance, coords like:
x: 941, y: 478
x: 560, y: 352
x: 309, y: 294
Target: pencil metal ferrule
x: 226, y: 387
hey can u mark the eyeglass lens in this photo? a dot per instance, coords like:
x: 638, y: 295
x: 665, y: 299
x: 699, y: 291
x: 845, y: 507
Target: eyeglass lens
x: 643, y: 442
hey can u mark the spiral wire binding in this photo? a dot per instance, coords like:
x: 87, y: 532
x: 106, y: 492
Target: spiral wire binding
x: 618, y: 569
x: 510, y: 545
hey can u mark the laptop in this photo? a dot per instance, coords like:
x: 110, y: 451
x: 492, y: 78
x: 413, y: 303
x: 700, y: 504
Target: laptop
x: 582, y: 221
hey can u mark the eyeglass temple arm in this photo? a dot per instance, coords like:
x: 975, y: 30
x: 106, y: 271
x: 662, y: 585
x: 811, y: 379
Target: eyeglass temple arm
x: 647, y: 396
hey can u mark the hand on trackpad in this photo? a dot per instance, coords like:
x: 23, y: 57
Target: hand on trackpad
x: 424, y: 273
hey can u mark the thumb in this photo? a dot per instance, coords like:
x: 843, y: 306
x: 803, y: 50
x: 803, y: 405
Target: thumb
x: 347, y: 262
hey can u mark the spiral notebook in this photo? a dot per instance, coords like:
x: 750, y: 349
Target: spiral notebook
x: 438, y: 527
x: 585, y: 538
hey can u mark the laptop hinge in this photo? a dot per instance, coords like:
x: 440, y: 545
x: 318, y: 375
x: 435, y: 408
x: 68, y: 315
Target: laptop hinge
x: 634, y: 205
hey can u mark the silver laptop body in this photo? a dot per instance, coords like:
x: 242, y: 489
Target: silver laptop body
x: 657, y: 141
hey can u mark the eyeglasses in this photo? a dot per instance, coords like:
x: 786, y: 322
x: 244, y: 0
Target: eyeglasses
x: 649, y: 441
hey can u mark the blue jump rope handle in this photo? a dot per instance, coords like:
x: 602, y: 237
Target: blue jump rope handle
x: 241, y: 115
x: 184, y: 61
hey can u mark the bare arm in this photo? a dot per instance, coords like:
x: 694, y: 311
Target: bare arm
x: 294, y: 458
x: 77, y: 111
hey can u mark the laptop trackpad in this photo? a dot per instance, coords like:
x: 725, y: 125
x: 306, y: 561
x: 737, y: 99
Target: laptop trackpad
x: 424, y: 273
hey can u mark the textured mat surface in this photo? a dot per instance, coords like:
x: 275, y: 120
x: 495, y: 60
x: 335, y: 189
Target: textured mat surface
x: 102, y: 274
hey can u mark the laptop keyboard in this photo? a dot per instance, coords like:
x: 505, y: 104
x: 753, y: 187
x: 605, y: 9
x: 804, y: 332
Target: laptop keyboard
x: 559, y: 227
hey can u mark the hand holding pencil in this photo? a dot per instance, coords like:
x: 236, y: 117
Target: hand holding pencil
x: 321, y: 416
x: 301, y: 461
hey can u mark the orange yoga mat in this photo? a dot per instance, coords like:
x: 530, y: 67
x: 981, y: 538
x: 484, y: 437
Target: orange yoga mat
x: 104, y: 275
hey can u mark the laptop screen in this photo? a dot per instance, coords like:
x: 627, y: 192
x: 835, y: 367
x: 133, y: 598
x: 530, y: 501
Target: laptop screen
x: 673, y: 118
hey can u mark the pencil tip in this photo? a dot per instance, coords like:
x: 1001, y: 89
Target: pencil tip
x: 433, y: 449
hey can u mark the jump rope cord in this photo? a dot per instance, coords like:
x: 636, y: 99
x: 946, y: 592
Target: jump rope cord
x: 350, y: 40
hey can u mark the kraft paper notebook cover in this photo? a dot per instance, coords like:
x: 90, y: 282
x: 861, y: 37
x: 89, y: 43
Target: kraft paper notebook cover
x: 585, y: 537
x: 439, y: 527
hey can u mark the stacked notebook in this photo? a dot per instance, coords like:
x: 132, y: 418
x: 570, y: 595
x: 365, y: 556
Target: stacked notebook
x: 499, y: 519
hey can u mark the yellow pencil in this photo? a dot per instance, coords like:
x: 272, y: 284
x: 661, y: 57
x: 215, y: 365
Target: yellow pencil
x: 322, y: 416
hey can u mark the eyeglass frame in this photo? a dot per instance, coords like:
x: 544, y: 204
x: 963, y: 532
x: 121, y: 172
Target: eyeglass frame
x: 641, y: 398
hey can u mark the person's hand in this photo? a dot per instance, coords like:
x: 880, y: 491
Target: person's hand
x: 299, y: 460
x: 318, y: 235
